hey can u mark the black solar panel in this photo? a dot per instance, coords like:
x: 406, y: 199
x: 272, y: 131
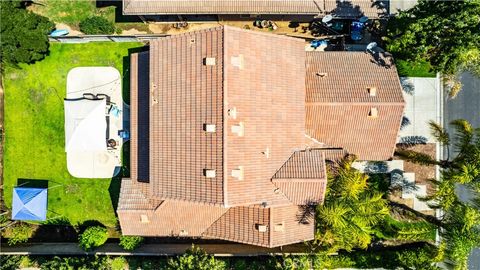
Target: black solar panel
x: 143, y: 149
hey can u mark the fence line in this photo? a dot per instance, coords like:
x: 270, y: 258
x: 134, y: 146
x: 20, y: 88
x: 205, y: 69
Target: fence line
x: 109, y: 38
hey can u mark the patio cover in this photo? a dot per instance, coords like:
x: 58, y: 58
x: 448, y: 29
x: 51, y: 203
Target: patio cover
x: 29, y: 204
x: 85, y: 125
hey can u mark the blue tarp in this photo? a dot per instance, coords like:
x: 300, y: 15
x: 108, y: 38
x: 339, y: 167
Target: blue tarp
x: 29, y: 203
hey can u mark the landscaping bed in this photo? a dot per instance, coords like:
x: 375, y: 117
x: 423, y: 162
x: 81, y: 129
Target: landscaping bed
x: 35, y: 139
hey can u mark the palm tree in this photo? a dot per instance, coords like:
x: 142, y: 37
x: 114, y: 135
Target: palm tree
x: 346, y: 219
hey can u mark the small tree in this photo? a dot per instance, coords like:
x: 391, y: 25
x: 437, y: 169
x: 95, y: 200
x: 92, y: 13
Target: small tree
x: 93, y: 237
x: 129, y: 242
x: 96, y: 25
x: 20, y: 234
x: 195, y: 259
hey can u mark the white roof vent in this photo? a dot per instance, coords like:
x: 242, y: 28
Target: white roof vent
x: 232, y: 113
x: 279, y: 227
x: 144, y: 219
x: 262, y: 227
x: 209, y: 61
x: 209, y: 173
x: 372, y: 91
x: 238, y: 61
x: 239, y: 129
x: 373, y: 112
x: 266, y: 152
x: 238, y: 173
x: 210, y: 128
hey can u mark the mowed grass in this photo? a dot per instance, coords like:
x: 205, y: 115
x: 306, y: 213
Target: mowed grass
x: 34, y: 131
x: 71, y: 12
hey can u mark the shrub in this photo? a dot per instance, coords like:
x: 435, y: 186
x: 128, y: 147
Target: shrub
x: 93, y: 237
x: 130, y: 243
x: 20, y: 234
x: 96, y: 25
x: 118, y: 263
x: 196, y: 258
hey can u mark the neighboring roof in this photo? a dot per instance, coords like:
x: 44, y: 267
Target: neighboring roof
x: 338, y: 102
x: 353, y: 8
x: 85, y: 125
x: 29, y: 203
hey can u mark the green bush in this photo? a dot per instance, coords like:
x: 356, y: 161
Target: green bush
x: 19, y: 234
x: 129, y: 242
x: 195, y: 259
x: 93, y: 237
x: 118, y: 263
x: 96, y: 25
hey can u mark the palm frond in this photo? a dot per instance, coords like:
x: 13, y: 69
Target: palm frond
x: 439, y: 133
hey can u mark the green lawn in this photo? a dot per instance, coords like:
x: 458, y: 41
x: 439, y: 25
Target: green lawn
x: 34, y: 131
x: 71, y: 12
x: 414, y: 69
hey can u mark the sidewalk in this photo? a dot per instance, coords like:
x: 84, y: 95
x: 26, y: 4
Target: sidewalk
x: 113, y: 249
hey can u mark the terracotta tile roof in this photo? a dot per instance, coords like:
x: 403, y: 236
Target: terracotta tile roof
x: 345, y: 76
x: 302, y: 179
x: 306, y: 164
x: 186, y: 95
x: 166, y: 218
x: 340, y: 111
x: 353, y: 8
x: 269, y: 103
x: 349, y: 126
x: 243, y: 224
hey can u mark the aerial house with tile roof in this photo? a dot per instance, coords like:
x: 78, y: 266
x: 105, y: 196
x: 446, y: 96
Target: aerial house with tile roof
x: 218, y: 140
x: 338, y: 8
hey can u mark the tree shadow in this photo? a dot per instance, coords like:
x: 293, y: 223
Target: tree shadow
x: 346, y: 9
x: 89, y: 223
x: 306, y: 213
x: 57, y: 229
x: 382, y: 59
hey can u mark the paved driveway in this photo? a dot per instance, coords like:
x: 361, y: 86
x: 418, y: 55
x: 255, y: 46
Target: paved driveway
x: 466, y: 106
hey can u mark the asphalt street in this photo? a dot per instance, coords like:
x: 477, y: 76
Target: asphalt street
x: 465, y: 106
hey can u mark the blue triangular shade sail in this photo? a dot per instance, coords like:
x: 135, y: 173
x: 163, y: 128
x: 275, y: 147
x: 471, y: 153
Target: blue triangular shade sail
x: 29, y: 204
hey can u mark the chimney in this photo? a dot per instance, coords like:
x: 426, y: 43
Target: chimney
x: 238, y: 173
x: 144, y: 219
x: 262, y: 227
x: 210, y: 128
x: 239, y: 129
x: 373, y: 112
x: 372, y: 91
x: 209, y: 61
x: 279, y: 227
x: 209, y: 173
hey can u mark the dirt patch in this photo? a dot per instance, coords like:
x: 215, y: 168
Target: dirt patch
x: 71, y: 31
x: 133, y: 31
x: 422, y: 173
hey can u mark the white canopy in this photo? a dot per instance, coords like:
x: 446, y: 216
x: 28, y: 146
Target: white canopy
x: 85, y: 125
